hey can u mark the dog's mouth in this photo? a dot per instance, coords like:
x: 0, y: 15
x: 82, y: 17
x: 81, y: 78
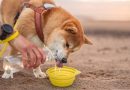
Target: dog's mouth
x: 59, y: 63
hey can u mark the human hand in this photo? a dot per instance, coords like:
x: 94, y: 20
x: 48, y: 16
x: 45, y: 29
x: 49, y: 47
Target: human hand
x: 32, y: 56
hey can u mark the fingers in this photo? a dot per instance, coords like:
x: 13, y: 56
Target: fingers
x: 25, y: 58
x: 38, y: 57
x: 43, y: 55
x: 32, y: 57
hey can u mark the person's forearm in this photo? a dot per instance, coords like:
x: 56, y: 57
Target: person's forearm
x: 19, y: 43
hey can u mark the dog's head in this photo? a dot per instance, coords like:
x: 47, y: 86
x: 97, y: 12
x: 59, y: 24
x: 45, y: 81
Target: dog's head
x: 66, y: 39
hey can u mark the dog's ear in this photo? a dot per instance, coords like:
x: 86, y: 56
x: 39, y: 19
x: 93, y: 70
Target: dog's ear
x: 86, y: 40
x: 70, y: 28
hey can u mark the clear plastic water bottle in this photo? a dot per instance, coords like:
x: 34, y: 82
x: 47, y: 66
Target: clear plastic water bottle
x: 17, y: 59
x: 48, y: 53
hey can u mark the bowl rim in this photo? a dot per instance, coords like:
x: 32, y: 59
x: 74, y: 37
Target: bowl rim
x: 64, y: 67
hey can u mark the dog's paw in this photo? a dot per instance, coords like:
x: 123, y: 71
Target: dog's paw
x: 7, y: 75
x: 39, y: 74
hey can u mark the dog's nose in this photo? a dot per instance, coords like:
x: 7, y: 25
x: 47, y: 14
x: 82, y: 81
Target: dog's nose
x: 64, y: 60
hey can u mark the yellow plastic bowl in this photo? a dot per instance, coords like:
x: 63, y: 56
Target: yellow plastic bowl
x: 62, y: 77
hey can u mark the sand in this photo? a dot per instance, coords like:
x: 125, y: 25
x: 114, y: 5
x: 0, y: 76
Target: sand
x: 105, y: 65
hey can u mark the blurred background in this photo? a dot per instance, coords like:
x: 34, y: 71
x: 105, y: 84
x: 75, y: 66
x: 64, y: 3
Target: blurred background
x: 107, y: 16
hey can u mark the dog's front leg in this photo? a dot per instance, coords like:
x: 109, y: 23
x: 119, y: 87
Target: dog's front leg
x: 11, y: 65
x: 7, y: 73
x: 38, y: 73
x: 9, y: 70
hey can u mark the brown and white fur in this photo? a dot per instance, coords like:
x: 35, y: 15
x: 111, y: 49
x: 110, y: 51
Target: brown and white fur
x: 63, y: 32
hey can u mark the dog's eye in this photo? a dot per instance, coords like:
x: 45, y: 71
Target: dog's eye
x: 72, y: 51
x: 67, y: 45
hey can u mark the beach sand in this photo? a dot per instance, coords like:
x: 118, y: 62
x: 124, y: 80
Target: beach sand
x: 105, y: 65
